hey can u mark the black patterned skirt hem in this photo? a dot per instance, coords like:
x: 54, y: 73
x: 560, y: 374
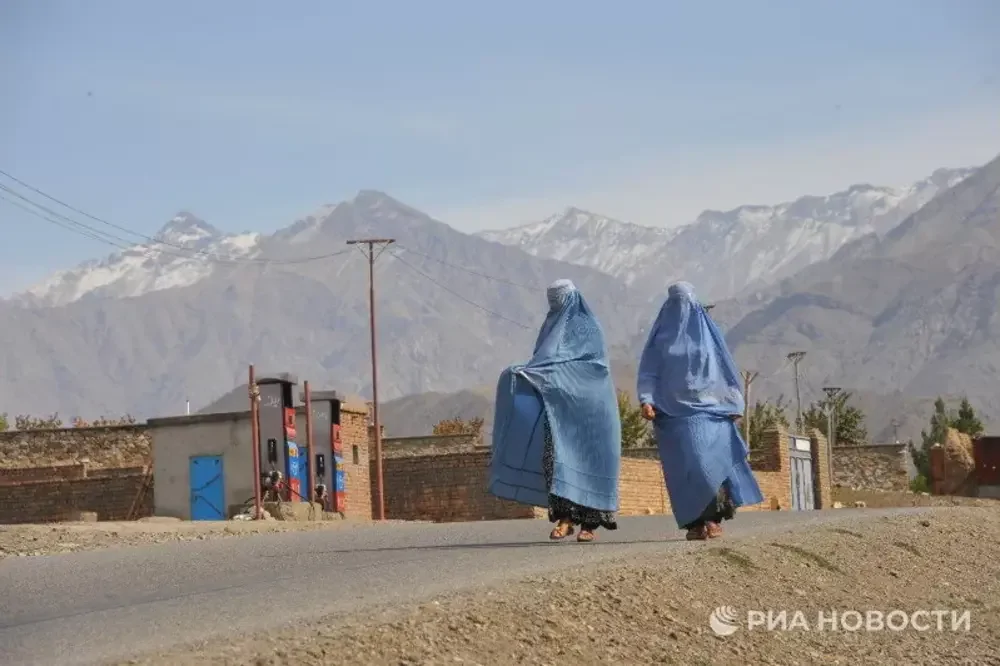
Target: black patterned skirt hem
x: 562, y: 509
x: 719, y: 509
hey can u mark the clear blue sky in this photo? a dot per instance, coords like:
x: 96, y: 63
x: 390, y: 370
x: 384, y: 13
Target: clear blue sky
x: 252, y: 113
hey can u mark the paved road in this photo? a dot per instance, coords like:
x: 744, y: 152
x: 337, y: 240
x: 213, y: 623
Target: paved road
x: 86, y: 608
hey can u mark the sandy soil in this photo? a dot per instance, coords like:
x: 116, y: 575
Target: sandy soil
x: 656, y: 610
x: 875, y: 499
x: 53, y: 538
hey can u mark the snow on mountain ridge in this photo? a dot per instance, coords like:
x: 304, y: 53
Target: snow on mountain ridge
x: 581, y: 237
x: 185, y: 251
x: 723, y: 252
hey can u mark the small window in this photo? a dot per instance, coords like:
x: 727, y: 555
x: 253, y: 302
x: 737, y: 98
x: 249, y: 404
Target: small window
x: 356, y: 454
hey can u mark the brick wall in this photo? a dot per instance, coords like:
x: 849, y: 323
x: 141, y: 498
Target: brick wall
x: 444, y: 488
x: 354, y: 433
x: 103, y: 447
x: 769, y: 461
x: 423, y: 484
x: 33, y: 498
x: 641, y: 490
x: 822, y: 484
x: 871, y: 467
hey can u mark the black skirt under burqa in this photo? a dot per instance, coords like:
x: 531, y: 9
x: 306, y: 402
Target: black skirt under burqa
x: 561, y: 508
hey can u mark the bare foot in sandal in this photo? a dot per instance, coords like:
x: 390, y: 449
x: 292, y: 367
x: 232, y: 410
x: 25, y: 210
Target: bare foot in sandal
x: 699, y: 533
x: 586, y: 536
x: 713, y: 530
x: 562, y: 530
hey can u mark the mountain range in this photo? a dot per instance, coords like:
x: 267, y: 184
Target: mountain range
x: 892, y: 292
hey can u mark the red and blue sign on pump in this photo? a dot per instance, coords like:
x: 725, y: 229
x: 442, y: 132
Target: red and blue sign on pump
x: 297, y: 462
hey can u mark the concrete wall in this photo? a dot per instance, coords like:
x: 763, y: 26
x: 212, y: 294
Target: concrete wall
x: 882, y: 467
x: 101, y: 447
x: 175, y: 440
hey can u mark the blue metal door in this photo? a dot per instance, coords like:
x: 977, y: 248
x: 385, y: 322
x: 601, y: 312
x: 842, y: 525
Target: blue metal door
x: 208, y: 497
x: 802, y: 480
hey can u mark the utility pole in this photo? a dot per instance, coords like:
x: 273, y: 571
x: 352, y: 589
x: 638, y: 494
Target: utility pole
x: 795, y: 357
x: 831, y: 429
x: 748, y: 377
x: 370, y: 254
x: 253, y: 392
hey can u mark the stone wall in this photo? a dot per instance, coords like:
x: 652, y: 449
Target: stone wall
x: 430, y: 445
x: 61, y: 492
x: 103, y: 447
x: 881, y: 467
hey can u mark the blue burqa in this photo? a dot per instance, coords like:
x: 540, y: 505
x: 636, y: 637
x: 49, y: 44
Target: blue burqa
x: 688, y: 375
x: 568, y: 381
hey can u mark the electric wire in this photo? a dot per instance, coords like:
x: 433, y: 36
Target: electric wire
x: 130, y: 244
x: 456, y: 294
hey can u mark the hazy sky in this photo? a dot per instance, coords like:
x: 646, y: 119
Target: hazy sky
x: 253, y: 113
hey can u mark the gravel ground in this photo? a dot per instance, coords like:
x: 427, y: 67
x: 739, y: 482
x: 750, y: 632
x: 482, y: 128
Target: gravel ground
x: 879, y: 499
x: 650, y: 610
x: 55, y: 538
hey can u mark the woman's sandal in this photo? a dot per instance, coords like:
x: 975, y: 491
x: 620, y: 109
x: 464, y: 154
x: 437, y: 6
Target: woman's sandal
x: 713, y: 530
x: 697, y: 533
x: 586, y: 536
x: 561, y: 531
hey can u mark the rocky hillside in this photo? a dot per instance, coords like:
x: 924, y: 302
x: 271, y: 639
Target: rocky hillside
x: 442, y: 325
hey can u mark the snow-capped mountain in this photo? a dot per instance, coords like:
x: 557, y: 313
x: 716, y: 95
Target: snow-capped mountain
x: 580, y: 237
x: 720, y: 252
x: 185, y: 251
x: 725, y: 252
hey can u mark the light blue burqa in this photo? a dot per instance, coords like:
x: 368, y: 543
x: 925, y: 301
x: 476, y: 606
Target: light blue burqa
x: 567, y: 380
x: 688, y: 375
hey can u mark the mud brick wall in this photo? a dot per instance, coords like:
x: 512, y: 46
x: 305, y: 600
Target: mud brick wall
x: 871, y: 467
x: 102, y: 447
x: 33, y: 498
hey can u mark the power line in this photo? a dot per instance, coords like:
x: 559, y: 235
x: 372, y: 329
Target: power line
x: 130, y: 244
x: 456, y: 294
x: 473, y: 272
x: 70, y: 228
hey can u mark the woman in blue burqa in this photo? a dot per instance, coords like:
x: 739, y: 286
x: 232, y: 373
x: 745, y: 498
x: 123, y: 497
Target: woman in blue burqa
x: 556, y: 431
x: 689, y: 388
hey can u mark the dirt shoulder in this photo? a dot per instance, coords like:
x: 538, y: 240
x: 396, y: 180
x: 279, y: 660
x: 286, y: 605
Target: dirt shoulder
x: 883, y: 499
x: 656, y: 609
x: 55, y: 538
